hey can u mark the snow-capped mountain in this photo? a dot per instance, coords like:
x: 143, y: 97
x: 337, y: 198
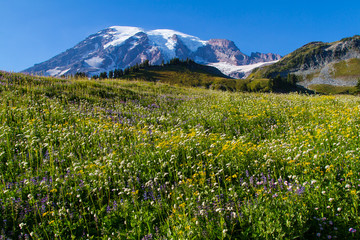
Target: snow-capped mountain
x: 121, y: 47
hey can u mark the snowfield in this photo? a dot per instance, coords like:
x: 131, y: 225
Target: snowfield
x: 228, y: 69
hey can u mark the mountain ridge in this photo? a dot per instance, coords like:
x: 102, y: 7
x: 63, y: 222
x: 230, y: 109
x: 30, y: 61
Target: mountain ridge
x: 336, y: 63
x: 121, y: 47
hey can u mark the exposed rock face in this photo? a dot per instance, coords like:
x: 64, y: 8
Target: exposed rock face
x: 221, y: 50
x: 121, y: 47
x: 263, y: 57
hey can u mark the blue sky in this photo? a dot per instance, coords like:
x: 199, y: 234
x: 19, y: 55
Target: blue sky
x: 34, y: 31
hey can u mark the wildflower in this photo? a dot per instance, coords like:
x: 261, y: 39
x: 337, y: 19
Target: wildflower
x: 318, y: 234
x: 352, y: 230
x: 21, y: 225
x: 338, y: 209
x: 331, y: 199
x: 218, y: 210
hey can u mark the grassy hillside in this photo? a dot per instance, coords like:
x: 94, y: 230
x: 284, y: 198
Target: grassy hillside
x: 190, y: 74
x: 315, y: 56
x: 183, y: 76
x: 330, y: 89
x: 292, y: 61
x: 185, y: 73
x: 116, y: 159
x: 347, y: 69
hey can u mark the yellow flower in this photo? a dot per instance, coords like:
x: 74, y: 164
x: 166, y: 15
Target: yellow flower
x: 135, y: 192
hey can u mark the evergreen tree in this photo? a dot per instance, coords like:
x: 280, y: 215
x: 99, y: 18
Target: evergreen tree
x: 111, y: 74
x: 358, y: 85
x: 271, y: 84
x: 117, y: 73
x: 277, y: 82
x: 103, y: 75
x: 292, y: 79
x: 80, y: 75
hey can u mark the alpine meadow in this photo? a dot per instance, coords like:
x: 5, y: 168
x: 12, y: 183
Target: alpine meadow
x: 131, y: 159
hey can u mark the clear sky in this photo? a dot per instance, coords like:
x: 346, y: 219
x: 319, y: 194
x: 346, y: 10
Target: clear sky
x: 32, y: 31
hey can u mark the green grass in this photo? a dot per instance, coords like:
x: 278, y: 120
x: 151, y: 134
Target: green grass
x: 122, y: 159
x: 259, y: 85
x: 331, y: 89
x: 347, y: 68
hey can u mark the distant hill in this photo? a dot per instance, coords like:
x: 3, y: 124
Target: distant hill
x: 120, y: 47
x: 182, y: 73
x: 319, y: 63
x: 191, y: 74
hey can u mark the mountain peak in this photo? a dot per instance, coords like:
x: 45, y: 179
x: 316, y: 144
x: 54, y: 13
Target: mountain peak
x: 119, y: 34
x: 124, y: 46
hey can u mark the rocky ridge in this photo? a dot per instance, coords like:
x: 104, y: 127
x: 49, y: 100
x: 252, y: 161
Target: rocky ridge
x: 336, y: 63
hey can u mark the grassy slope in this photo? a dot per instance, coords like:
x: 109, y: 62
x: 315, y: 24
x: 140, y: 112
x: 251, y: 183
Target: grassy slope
x: 347, y: 69
x: 330, y: 89
x: 195, y: 76
x: 145, y: 160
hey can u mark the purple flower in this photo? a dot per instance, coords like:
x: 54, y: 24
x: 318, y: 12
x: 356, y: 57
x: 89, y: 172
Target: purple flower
x: 352, y: 230
x: 300, y: 190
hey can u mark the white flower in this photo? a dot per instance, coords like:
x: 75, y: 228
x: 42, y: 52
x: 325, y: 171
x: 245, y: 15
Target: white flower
x: 218, y: 210
x: 21, y: 225
x: 331, y: 199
